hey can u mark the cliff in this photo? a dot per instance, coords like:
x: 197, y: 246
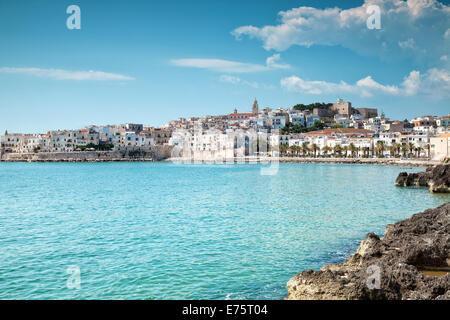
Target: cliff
x: 397, y: 266
x: 436, y: 178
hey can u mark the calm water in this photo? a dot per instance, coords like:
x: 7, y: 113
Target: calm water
x: 165, y: 231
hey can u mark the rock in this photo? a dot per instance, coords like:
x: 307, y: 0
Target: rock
x: 436, y: 178
x: 387, y: 268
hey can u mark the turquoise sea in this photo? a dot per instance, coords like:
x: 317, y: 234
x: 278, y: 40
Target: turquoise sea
x: 173, y: 231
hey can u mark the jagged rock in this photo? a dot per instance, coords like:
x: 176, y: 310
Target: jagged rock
x: 436, y: 178
x: 421, y: 242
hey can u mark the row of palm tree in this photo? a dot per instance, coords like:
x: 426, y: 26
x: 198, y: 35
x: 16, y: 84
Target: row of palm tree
x: 351, y: 150
x: 396, y: 149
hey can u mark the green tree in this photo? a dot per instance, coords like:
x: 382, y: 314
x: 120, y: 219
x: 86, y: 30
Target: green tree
x: 379, y: 149
x: 352, y: 149
x: 411, y: 148
x: 345, y: 150
x: 326, y: 150
x: 283, y: 149
x: 404, y: 151
x: 337, y: 150
x: 292, y: 150
x: 419, y: 151
x: 315, y: 148
x: 305, y: 148
x: 311, y: 106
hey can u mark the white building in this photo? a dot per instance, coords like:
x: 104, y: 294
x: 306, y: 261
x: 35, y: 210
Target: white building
x: 440, y: 147
x: 310, y: 119
x: 297, y: 118
x: 277, y: 122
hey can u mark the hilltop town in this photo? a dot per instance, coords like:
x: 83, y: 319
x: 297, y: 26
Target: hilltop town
x: 315, y: 130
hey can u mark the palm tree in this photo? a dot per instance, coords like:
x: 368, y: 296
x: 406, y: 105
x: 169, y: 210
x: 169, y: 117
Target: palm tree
x: 419, y: 150
x: 337, y: 149
x: 352, y: 149
x: 326, y: 149
x: 315, y: 148
x: 345, y: 149
x: 305, y: 148
x: 392, y: 150
x: 366, y: 151
x: 397, y: 147
x: 283, y: 149
x: 292, y: 150
x: 379, y: 149
x: 404, y: 150
x: 411, y: 148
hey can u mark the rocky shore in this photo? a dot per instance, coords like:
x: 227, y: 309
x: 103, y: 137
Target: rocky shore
x: 437, y: 179
x: 411, y: 261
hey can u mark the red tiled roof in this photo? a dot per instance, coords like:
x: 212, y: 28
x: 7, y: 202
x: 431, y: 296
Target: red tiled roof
x: 243, y: 114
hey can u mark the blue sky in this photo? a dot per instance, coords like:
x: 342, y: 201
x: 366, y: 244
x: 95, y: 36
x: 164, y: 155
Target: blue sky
x: 153, y: 61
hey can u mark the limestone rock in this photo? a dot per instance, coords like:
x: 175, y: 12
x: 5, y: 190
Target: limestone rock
x: 436, y: 178
x: 388, y: 268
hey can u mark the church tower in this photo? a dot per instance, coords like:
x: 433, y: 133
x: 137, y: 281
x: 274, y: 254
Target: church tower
x: 255, y: 107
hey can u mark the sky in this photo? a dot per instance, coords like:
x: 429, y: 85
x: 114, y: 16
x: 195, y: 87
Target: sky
x: 153, y: 61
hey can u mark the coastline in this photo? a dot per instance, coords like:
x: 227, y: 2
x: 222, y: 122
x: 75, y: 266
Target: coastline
x: 411, y: 261
x: 370, y: 161
x: 105, y: 156
x: 157, y: 153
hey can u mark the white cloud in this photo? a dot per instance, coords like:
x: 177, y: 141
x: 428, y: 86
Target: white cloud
x: 447, y: 34
x: 419, y: 23
x: 367, y: 85
x: 236, y: 80
x: 228, y: 66
x: 60, y: 74
x: 434, y: 82
x: 297, y: 84
x: 407, y: 44
x: 271, y: 62
x: 364, y: 87
x: 411, y: 83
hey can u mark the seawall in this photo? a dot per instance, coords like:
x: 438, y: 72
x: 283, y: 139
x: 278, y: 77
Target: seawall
x: 156, y: 153
x: 372, y: 161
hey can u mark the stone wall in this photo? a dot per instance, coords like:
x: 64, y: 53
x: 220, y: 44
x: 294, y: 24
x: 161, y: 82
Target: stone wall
x: 156, y: 153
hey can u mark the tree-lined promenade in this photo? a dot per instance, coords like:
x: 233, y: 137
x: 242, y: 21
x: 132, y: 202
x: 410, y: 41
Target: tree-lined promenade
x: 396, y: 150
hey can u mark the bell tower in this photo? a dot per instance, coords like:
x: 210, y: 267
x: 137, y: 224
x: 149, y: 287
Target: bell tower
x: 255, y: 107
